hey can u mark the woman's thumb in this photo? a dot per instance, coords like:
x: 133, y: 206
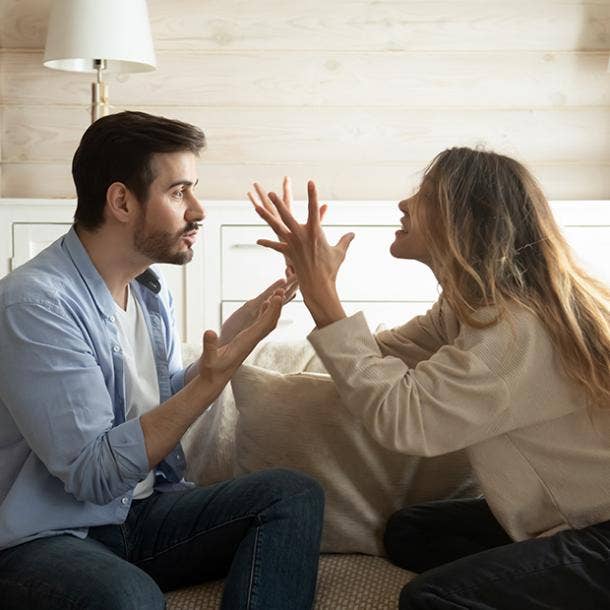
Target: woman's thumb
x: 345, y: 241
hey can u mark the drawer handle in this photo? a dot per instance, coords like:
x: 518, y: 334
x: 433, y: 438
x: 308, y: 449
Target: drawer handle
x: 245, y: 246
x: 285, y: 322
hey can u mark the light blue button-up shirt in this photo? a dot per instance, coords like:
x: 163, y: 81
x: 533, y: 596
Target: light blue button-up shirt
x: 68, y: 458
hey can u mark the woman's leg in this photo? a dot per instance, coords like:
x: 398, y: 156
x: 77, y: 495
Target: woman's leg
x: 568, y: 570
x: 427, y: 535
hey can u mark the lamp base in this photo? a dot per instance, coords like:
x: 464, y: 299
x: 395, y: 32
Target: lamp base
x: 99, y: 101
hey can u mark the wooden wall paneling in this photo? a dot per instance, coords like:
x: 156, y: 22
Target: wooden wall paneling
x: 325, y: 78
x: 384, y: 26
x: 296, y: 135
x: 349, y: 24
x: 26, y: 80
x: 359, y: 94
x: 387, y: 181
x: 2, y: 88
x: 574, y: 180
x: 1, y: 146
x: 337, y: 180
x: 37, y: 180
x: 233, y: 180
x: 23, y: 23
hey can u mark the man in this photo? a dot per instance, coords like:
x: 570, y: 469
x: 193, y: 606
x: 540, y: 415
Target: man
x: 94, y: 511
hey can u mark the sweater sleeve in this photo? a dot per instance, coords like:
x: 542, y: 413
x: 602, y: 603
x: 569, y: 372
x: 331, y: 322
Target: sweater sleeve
x: 447, y: 402
x: 416, y: 340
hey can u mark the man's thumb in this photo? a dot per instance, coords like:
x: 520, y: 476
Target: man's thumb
x: 210, y: 345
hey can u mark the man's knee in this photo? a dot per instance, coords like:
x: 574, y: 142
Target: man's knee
x: 125, y: 589
x: 283, y: 483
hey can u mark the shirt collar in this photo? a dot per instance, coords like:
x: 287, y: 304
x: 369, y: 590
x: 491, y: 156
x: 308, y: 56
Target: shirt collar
x: 94, y: 281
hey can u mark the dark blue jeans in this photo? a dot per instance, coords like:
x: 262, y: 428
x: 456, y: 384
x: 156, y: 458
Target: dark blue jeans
x: 468, y: 561
x: 261, y: 532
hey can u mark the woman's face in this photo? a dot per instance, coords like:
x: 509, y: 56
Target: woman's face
x: 409, y: 242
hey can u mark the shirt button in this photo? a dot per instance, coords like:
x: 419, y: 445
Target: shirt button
x: 124, y: 500
x: 116, y: 348
x: 112, y: 318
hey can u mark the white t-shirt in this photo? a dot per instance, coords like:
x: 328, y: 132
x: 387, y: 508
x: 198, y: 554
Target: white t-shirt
x: 141, y: 382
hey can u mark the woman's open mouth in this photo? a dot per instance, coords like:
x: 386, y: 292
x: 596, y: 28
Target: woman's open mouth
x: 404, y: 226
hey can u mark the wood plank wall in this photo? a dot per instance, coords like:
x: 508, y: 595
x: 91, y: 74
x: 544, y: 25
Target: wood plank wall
x: 358, y: 94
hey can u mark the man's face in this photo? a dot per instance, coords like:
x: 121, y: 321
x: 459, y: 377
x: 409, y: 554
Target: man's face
x: 166, y: 227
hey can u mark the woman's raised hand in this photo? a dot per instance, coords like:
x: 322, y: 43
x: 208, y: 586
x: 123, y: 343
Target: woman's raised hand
x: 265, y: 202
x: 313, y: 259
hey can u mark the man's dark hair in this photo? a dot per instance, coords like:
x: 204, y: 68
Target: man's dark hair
x: 119, y: 148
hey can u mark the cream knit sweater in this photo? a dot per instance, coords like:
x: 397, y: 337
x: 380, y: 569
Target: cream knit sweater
x: 541, y: 453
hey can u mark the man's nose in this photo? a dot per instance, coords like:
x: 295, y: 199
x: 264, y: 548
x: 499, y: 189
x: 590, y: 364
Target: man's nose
x: 195, y: 212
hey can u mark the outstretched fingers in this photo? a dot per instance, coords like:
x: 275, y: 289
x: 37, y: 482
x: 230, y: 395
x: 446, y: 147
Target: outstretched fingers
x: 278, y: 246
x: 323, y: 210
x: 282, y: 283
x: 285, y: 214
x: 287, y: 192
x: 290, y: 290
x: 345, y: 242
x: 260, y: 191
x: 273, y: 220
x: 313, y: 211
x: 269, y: 314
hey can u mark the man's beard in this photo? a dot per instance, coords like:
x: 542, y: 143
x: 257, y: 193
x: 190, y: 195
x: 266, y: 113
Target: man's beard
x: 160, y: 246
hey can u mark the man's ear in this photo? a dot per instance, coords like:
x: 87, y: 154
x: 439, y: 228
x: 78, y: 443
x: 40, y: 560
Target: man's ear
x: 119, y: 203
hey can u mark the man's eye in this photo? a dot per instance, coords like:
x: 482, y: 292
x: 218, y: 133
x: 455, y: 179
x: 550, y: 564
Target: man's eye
x: 179, y: 194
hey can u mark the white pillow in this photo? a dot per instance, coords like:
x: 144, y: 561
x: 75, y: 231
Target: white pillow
x: 298, y: 421
x: 209, y: 444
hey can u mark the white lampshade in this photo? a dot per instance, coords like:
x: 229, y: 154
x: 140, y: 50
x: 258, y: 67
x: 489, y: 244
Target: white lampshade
x: 117, y: 31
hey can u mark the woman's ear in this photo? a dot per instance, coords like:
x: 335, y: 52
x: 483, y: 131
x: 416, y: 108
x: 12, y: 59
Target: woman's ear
x: 118, y: 206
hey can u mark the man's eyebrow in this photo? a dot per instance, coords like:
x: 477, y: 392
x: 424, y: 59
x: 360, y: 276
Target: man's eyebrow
x: 183, y: 182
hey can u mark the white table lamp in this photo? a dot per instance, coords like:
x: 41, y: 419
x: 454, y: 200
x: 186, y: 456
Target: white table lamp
x: 99, y: 36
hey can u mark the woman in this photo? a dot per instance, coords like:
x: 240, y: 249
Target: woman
x: 512, y: 364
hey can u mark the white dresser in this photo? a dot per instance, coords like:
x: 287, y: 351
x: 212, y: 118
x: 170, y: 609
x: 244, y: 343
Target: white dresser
x: 228, y: 266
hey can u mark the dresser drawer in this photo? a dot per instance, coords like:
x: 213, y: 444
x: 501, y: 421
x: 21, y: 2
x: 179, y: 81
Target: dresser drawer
x: 369, y: 273
x: 296, y: 321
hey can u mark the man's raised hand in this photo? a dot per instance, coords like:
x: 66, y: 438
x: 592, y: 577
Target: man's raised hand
x: 248, y: 312
x: 218, y: 362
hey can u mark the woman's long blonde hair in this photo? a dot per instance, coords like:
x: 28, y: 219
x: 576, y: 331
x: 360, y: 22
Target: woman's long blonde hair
x: 493, y: 241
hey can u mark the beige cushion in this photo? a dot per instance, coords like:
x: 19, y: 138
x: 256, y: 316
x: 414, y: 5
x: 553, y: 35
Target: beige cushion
x: 298, y: 421
x: 345, y: 582
x: 209, y: 444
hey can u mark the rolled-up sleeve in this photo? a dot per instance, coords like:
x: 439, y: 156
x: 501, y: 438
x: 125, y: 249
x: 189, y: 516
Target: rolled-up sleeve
x: 55, y: 390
